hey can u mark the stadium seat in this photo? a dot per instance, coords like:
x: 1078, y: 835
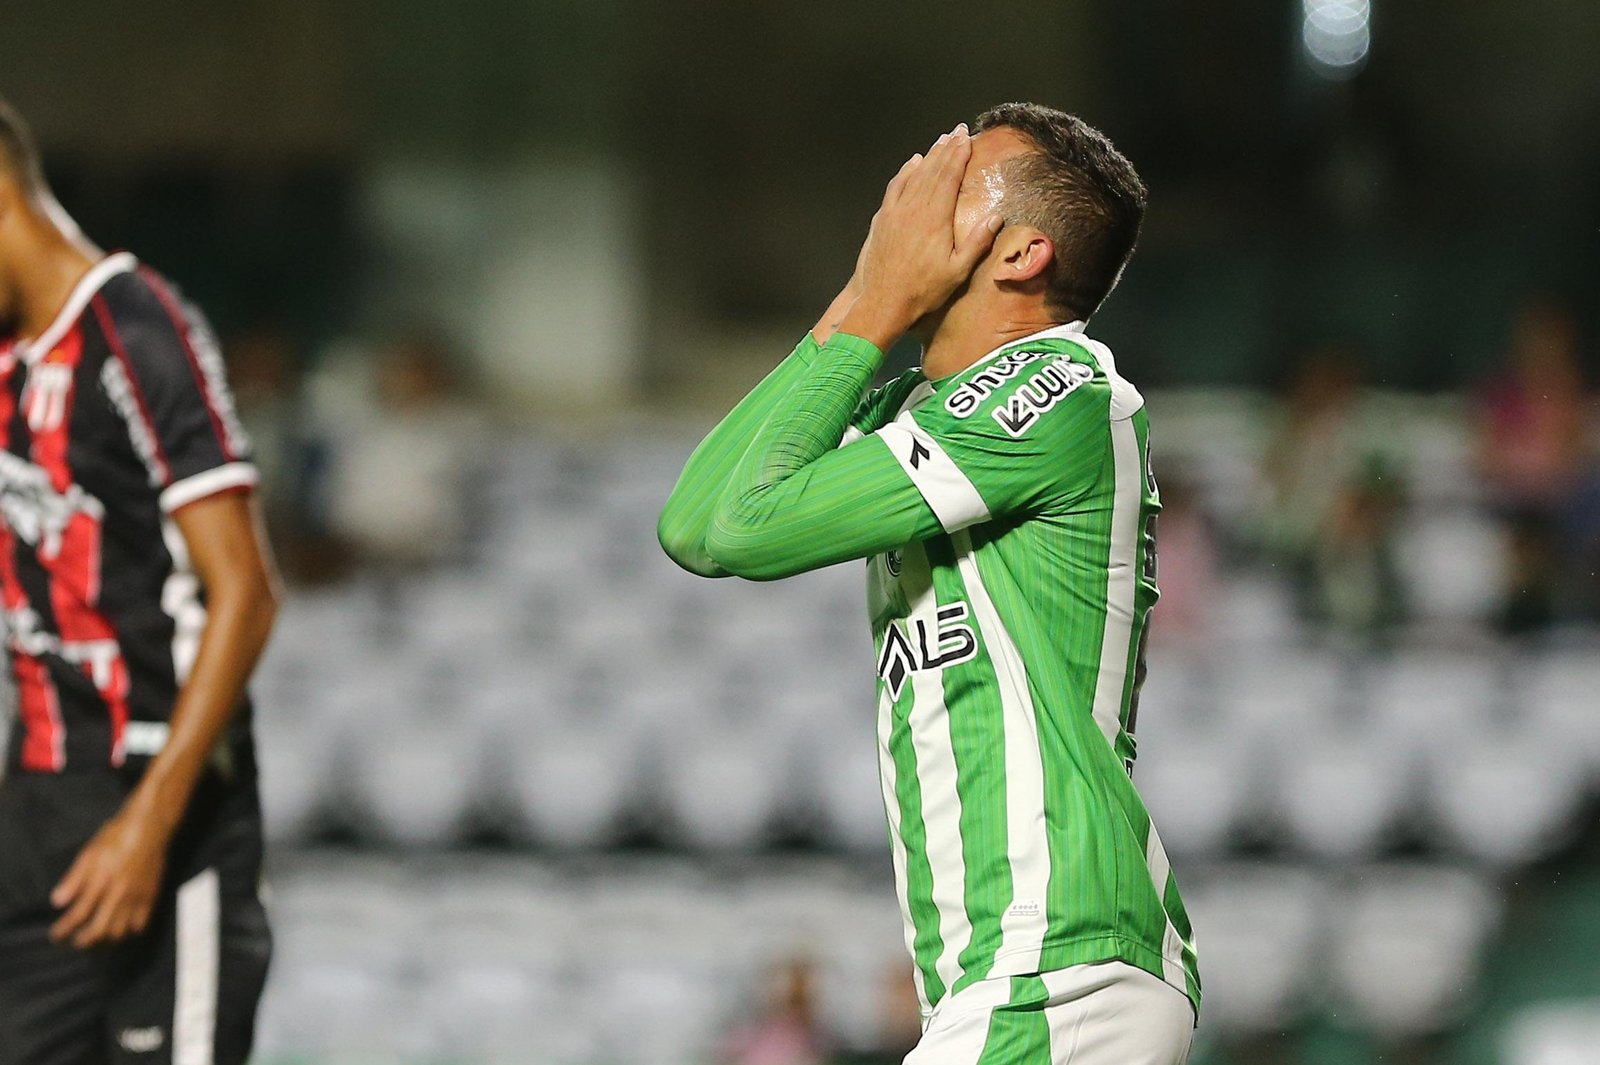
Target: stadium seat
x: 1259, y: 932
x: 1557, y: 695
x: 569, y: 788
x: 502, y: 1014
x: 1281, y: 694
x: 415, y: 777
x: 1453, y: 561
x: 1555, y: 1033
x: 1404, y: 945
x: 846, y: 789
x: 1506, y: 795
x: 1199, y: 785
x: 1341, y: 793
x: 1417, y: 698
x: 342, y: 986
x: 296, y: 753
x: 724, y: 786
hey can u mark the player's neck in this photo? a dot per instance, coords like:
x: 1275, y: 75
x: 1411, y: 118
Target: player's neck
x: 962, y: 339
x: 53, y: 265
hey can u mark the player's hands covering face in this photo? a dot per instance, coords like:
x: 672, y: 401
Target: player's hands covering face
x: 915, y: 259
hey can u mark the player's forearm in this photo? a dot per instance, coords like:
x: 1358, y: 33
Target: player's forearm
x: 686, y: 515
x: 238, y: 624
x: 747, y: 536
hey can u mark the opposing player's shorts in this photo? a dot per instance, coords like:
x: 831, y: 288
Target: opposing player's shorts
x: 184, y: 992
x: 1104, y: 1014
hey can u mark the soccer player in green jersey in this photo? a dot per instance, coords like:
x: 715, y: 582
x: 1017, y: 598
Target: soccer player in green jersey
x: 1002, y: 498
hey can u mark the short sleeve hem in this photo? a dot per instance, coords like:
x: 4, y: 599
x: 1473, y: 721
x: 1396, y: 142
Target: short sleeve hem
x: 230, y: 477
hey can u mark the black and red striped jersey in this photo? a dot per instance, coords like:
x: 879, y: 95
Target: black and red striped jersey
x: 112, y: 419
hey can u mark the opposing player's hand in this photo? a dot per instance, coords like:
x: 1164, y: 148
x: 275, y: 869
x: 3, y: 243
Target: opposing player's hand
x: 914, y: 260
x: 112, y: 887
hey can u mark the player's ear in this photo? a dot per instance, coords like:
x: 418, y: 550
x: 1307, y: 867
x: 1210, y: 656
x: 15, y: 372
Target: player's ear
x: 1021, y: 254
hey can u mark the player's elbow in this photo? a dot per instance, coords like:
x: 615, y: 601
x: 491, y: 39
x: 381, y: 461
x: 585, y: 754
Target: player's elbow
x: 246, y: 598
x: 743, y: 552
x: 683, y: 547
x: 268, y: 599
x: 261, y: 596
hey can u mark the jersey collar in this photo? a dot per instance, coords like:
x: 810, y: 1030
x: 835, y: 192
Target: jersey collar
x: 122, y: 262
x: 1064, y: 331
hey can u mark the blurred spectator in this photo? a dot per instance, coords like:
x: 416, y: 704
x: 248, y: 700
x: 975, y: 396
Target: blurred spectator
x: 1314, y: 455
x: 1186, y: 546
x: 1531, y: 418
x: 1358, y: 578
x: 268, y: 384
x: 402, y: 474
x: 788, y: 1031
x: 1533, y: 459
x: 900, y: 1026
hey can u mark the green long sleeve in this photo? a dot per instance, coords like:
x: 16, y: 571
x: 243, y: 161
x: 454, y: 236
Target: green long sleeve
x: 798, y: 501
x: 686, y: 515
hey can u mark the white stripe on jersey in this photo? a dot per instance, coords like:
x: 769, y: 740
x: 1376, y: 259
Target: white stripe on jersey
x: 897, y: 845
x: 929, y: 722
x: 915, y: 396
x: 1023, y: 925
x: 1171, y: 943
x: 949, y: 494
x: 1121, y: 580
x: 1125, y: 399
x: 180, y: 601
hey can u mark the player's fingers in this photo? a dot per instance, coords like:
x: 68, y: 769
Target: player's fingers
x: 131, y: 919
x: 116, y: 927
x: 82, y: 909
x: 97, y: 929
x: 946, y: 150
x: 111, y: 918
x: 917, y: 182
x: 945, y: 182
x: 957, y: 149
x: 897, y: 183
x: 976, y: 242
x: 938, y: 183
x: 69, y: 885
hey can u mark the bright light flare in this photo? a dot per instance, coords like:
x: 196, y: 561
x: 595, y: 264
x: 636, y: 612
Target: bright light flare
x: 1337, y: 35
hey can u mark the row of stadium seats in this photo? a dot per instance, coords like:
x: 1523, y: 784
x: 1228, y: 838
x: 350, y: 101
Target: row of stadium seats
x: 759, y: 724
x: 556, y: 509
x: 518, y: 961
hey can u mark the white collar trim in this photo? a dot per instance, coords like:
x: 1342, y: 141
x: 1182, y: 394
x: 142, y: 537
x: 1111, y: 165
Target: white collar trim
x: 88, y: 285
x: 1064, y: 331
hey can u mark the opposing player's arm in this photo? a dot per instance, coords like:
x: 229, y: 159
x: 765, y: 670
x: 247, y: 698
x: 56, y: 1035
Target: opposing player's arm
x: 112, y: 886
x: 165, y: 379
x: 795, y: 503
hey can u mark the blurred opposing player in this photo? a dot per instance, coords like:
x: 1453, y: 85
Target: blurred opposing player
x: 138, y: 595
x: 1002, y: 497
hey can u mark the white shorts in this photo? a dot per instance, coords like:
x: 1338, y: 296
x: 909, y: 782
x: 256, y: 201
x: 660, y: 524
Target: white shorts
x: 1109, y: 1013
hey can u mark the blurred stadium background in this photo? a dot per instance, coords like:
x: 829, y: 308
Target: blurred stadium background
x: 486, y: 269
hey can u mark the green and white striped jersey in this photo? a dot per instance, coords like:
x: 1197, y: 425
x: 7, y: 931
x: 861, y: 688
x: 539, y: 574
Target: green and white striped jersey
x: 1007, y: 515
